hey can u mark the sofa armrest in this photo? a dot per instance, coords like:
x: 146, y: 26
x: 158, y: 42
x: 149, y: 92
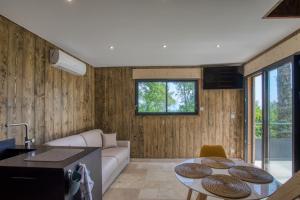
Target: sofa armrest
x: 123, y: 143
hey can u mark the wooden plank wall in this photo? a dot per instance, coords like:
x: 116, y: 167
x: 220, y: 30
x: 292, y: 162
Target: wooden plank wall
x: 251, y: 119
x: 168, y: 136
x: 53, y: 102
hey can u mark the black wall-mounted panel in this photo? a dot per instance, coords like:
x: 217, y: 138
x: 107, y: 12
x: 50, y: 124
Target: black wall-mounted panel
x: 223, y: 78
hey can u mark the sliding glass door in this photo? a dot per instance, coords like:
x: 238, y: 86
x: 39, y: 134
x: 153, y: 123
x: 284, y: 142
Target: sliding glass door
x: 280, y: 122
x: 271, y: 124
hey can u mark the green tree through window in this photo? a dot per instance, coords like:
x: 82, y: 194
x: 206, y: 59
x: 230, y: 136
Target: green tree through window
x: 258, y: 120
x: 166, y: 97
x: 152, y: 96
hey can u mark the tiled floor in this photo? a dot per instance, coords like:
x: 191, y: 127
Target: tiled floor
x: 148, y: 180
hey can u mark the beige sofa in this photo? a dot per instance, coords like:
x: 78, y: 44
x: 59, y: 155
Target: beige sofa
x: 114, y: 160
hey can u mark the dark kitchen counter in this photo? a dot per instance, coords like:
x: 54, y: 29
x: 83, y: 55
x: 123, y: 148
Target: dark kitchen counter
x: 18, y: 161
x: 47, y: 180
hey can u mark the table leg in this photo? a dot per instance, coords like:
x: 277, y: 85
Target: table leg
x: 201, y: 196
x: 189, y: 194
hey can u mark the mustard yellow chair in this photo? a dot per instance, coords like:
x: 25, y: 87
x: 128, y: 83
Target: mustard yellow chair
x: 212, y: 151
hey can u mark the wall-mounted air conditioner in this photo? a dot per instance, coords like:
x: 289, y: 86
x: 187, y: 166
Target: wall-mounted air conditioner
x: 66, y: 62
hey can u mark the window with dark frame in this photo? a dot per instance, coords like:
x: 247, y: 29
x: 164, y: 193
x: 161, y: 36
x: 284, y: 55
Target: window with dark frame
x: 166, y: 97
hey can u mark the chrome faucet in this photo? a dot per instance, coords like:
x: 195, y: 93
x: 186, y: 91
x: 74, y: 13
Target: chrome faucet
x: 27, y: 141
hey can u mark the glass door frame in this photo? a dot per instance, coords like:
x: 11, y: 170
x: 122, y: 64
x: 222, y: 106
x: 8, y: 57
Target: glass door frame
x: 253, y: 116
x: 266, y: 97
x: 295, y: 61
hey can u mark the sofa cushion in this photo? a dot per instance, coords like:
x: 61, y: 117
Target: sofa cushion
x: 120, y: 153
x: 109, y: 140
x: 109, y: 164
x: 92, y: 138
x: 74, y: 140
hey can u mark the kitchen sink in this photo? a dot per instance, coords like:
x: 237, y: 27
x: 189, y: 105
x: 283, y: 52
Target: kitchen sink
x: 10, y: 152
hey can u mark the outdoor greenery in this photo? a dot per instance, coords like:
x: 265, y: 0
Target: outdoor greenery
x: 152, y: 96
x: 258, y: 120
x: 279, y: 127
x: 280, y: 104
x: 182, y: 97
x: 165, y: 96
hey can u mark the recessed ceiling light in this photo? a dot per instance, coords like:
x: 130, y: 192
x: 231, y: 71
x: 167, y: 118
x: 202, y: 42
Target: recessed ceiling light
x: 111, y: 47
x: 218, y: 46
x: 164, y: 46
x: 69, y: 1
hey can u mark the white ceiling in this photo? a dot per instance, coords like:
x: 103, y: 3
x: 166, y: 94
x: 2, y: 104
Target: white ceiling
x: 139, y: 28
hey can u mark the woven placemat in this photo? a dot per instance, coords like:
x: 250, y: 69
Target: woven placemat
x: 217, y: 162
x: 193, y: 170
x: 251, y: 174
x: 226, y: 186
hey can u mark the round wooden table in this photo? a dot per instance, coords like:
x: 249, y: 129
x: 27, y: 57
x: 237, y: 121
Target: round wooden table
x: 258, y: 191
